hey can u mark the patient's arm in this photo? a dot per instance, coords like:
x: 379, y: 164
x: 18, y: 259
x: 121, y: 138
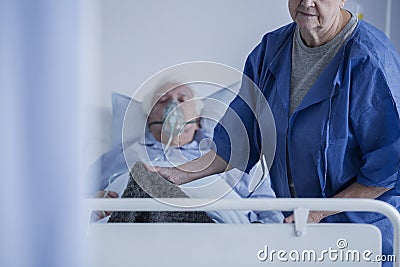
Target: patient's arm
x: 206, y: 165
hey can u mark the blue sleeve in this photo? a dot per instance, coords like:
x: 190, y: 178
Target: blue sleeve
x: 264, y: 190
x: 236, y: 136
x: 377, y: 126
x: 269, y: 216
x: 102, y: 169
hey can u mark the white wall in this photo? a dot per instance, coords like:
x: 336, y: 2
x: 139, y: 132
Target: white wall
x: 395, y: 23
x: 375, y: 13
x: 139, y: 38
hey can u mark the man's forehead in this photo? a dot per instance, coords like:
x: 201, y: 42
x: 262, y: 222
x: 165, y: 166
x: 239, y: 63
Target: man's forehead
x: 173, y: 88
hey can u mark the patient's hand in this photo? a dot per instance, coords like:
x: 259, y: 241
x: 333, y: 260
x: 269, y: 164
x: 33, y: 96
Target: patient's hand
x: 105, y: 194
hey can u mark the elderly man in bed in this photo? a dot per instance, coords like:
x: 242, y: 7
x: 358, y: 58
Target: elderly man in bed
x: 171, y: 104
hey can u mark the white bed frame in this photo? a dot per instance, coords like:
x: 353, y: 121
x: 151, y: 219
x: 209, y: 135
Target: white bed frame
x: 184, y: 244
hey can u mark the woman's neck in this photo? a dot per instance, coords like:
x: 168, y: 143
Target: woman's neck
x: 320, y: 37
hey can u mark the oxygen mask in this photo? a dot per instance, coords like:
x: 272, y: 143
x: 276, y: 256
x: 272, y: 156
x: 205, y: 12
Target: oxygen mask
x: 173, y: 122
x: 173, y: 119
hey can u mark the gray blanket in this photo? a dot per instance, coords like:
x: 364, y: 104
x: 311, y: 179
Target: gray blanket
x: 144, y: 184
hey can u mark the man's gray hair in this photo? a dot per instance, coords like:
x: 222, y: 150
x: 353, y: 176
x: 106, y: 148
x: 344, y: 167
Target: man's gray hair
x: 149, y: 101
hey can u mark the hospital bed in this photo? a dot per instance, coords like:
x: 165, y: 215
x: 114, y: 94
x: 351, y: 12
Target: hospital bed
x: 197, y: 244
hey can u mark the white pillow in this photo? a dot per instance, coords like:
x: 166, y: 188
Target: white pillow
x: 134, y: 113
x: 214, y: 106
x: 135, y: 122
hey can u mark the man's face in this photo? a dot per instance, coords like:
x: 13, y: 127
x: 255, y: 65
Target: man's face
x: 184, y: 97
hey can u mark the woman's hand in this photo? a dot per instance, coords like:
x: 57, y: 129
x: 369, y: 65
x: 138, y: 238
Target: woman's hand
x: 313, y: 217
x: 206, y: 165
x: 355, y: 190
x: 172, y: 174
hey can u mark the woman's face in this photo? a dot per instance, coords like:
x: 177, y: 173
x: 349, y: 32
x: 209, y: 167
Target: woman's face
x: 315, y: 15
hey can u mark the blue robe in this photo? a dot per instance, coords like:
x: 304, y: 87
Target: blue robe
x: 346, y: 129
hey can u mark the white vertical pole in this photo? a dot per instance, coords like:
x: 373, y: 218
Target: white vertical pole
x: 388, y: 17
